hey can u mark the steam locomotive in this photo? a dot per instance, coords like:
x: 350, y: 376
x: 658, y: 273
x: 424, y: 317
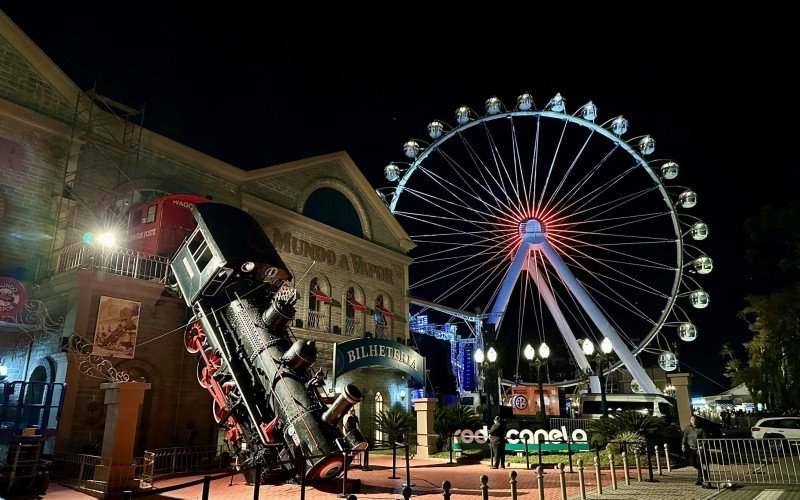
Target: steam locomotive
x: 265, y: 394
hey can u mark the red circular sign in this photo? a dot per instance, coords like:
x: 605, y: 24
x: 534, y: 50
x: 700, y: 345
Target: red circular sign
x: 12, y: 296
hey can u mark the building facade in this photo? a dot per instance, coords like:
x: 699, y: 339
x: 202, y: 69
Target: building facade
x: 72, y: 163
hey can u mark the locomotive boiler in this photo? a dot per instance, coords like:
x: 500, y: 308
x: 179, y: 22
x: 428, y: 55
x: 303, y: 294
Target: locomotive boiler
x: 265, y: 391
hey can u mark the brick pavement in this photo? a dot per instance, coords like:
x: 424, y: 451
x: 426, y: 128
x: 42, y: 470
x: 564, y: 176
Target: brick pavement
x: 427, y: 476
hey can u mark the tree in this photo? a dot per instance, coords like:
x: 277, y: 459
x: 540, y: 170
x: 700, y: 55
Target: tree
x: 773, y: 371
x: 395, y: 423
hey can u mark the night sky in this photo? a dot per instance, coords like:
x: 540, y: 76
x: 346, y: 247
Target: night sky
x: 256, y: 90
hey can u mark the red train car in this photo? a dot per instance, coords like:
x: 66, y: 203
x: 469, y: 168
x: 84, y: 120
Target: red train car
x: 159, y: 226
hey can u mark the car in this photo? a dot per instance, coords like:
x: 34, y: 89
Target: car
x: 777, y: 427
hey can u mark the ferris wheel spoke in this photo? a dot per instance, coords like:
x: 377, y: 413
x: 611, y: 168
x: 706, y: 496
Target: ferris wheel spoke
x: 566, y: 242
x: 552, y: 197
x: 500, y: 164
x: 642, y: 239
x: 476, y: 158
x: 427, y: 257
x: 519, y: 175
x: 432, y: 200
x: 615, y: 204
x: 625, y: 220
x: 596, y: 275
x: 443, y: 273
x: 602, y: 188
x: 620, y: 331
x: 534, y: 167
x: 579, y: 185
x: 488, y: 276
x: 444, y: 183
x: 470, y: 181
x: 553, y: 162
x: 475, y: 275
x: 453, y: 217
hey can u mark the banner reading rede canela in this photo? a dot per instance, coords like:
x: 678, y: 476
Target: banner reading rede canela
x: 555, y: 439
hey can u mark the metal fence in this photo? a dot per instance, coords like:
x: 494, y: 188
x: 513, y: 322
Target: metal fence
x: 92, y: 473
x: 168, y: 462
x: 771, y: 460
x: 120, y: 261
x: 569, y: 423
x: 317, y: 321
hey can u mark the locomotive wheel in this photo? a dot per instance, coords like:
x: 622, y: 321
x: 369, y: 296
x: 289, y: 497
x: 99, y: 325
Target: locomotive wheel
x: 195, y: 338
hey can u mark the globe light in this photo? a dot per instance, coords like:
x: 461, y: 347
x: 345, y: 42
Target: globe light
x: 544, y: 351
x: 703, y: 264
x: 107, y: 239
x: 391, y: 172
x: 699, y: 299
x: 687, y: 332
x: 557, y: 104
x: 606, y: 345
x: 435, y: 129
x: 588, y: 347
x: 525, y: 102
x: 493, y: 106
x: 699, y: 231
x: 667, y: 361
x: 669, y: 170
x: 647, y: 145
x: 411, y: 149
x: 529, y: 352
x: 478, y: 356
x: 462, y: 115
x: 589, y: 111
x: 687, y: 199
x: 491, y: 355
x: 620, y: 125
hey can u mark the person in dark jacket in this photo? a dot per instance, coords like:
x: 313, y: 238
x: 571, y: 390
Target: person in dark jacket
x: 691, y: 434
x: 497, y: 436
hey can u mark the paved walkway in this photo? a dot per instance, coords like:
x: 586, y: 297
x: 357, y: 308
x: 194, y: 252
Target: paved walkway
x: 428, y: 475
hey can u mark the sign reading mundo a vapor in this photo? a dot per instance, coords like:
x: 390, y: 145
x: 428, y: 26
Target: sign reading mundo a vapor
x: 348, y: 356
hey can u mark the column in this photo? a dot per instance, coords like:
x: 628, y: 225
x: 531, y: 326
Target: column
x: 426, y: 440
x: 122, y: 401
x: 683, y: 395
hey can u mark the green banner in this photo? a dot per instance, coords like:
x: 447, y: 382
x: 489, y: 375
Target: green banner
x: 348, y: 356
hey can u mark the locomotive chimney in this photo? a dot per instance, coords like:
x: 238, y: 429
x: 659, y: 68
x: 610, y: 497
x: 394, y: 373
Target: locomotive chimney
x: 349, y: 397
x: 301, y: 355
x: 279, y: 313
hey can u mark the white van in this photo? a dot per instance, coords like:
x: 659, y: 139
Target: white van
x: 649, y: 404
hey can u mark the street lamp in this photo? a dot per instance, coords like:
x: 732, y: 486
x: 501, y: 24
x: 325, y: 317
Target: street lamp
x: 601, y: 358
x: 538, y: 362
x: 484, y: 360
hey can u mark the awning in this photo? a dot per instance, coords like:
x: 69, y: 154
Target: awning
x: 321, y: 297
x: 385, y: 312
x: 358, y: 306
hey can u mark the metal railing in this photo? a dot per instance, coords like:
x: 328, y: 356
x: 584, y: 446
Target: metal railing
x: 170, y: 462
x: 381, y: 330
x: 569, y: 423
x: 92, y: 473
x: 770, y: 460
x: 350, y: 326
x: 120, y: 261
x: 316, y: 321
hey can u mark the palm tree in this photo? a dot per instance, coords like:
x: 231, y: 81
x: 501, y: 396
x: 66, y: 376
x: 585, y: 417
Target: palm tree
x: 395, y: 423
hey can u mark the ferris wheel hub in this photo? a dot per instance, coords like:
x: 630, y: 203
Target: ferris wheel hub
x: 532, y: 231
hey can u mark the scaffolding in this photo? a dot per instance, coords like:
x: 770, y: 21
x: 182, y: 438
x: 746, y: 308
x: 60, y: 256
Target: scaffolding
x: 100, y: 169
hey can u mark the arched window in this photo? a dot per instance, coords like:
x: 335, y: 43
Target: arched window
x: 379, y: 436
x: 332, y: 208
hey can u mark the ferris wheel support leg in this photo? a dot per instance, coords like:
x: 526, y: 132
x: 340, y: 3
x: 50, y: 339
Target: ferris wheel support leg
x: 599, y: 319
x: 499, y: 307
x: 558, y: 316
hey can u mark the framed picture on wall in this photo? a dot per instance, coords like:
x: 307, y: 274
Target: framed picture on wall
x: 117, y: 326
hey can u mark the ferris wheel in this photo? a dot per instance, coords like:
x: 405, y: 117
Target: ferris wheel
x: 559, y: 227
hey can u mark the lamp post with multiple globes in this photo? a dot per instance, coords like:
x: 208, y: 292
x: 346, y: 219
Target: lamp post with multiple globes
x: 601, y: 358
x: 538, y: 362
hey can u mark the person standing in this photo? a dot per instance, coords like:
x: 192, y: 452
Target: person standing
x: 497, y: 436
x: 689, y: 445
x: 352, y: 421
